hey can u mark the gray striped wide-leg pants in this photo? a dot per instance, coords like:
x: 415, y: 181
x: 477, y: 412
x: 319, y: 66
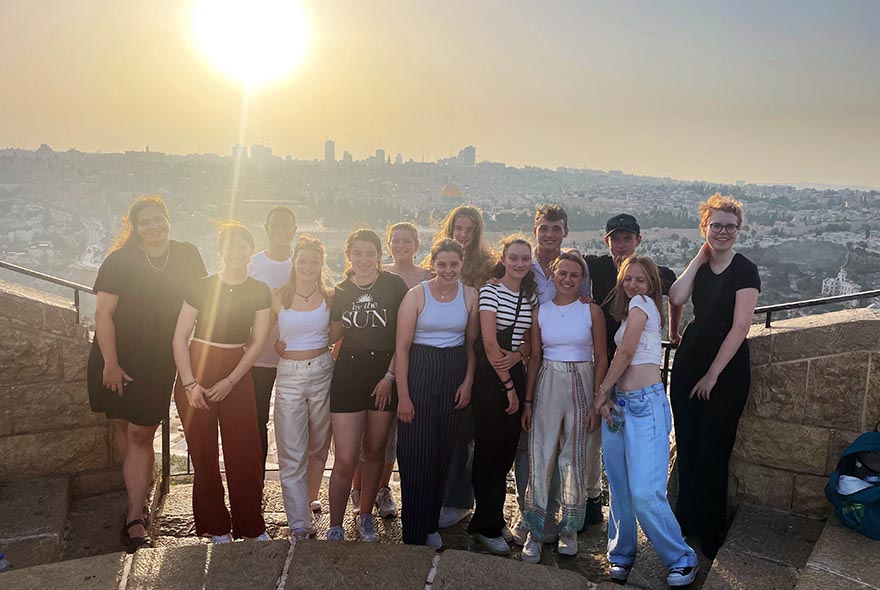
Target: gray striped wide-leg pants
x: 424, y: 446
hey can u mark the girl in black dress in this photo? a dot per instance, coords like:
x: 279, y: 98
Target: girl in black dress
x: 710, y: 377
x: 131, y: 366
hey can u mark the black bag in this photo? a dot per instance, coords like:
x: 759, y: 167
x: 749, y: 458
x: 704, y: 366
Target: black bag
x: 503, y: 336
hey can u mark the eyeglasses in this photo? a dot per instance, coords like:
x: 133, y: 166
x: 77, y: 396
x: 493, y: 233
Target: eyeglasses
x: 717, y: 228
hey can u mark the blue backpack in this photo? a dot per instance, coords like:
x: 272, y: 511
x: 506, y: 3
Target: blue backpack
x: 860, y: 461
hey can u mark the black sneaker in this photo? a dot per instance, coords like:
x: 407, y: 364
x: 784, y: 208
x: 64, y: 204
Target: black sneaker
x: 594, y: 511
x: 619, y: 571
x: 681, y: 576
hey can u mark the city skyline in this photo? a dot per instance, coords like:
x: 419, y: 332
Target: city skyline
x: 695, y: 90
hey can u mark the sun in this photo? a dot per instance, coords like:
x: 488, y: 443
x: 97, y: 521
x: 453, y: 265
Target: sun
x: 255, y: 42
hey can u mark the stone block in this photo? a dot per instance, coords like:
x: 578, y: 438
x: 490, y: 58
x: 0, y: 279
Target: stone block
x: 836, y: 391
x: 816, y: 579
x: 93, y: 525
x: 779, y: 390
x: 98, y: 482
x: 33, y: 507
x: 759, y: 485
x: 27, y: 356
x: 872, y: 401
x: 330, y: 565
x: 738, y: 571
x: 52, y: 453
x: 775, y: 536
x: 75, y: 357
x: 93, y: 573
x: 53, y: 405
x: 825, y: 334
x: 809, y: 496
x: 30, y: 551
x: 842, y: 550
x: 461, y: 569
x: 759, y: 345
x: 839, y: 440
x: 782, y: 445
x: 249, y: 564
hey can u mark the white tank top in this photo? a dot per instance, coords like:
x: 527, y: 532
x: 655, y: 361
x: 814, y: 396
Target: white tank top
x: 305, y: 330
x: 566, y: 331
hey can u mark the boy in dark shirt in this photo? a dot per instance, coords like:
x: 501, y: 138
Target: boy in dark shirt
x: 623, y: 236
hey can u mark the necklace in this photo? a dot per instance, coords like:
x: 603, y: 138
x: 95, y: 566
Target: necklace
x: 164, y: 264
x: 570, y: 306
x: 306, y: 297
x: 364, y: 288
x: 448, y: 293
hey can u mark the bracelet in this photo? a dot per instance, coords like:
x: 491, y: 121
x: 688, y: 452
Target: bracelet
x: 190, y: 384
x: 529, y: 402
x: 188, y: 388
x: 509, y: 389
x: 509, y: 380
x: 389, y: 376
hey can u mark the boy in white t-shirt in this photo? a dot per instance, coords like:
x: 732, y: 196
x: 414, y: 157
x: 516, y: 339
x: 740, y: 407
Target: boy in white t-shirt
x: 271, y: 266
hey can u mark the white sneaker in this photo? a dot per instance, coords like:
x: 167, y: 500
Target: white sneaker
x: 451, y: 516
x: 315, y: 505
x: 619, y: 571
x: 299, y: 534
x: 519, y: 533
x: 434, y: 540
x: 264, y: 536
x: 531, y: 552
x: 221, y: 539
x: 336, y: 533
x: 385, y: 503
x: 366, y: 526
x: 568, y: 544
x: 355, y: 497
x: 496, y: 545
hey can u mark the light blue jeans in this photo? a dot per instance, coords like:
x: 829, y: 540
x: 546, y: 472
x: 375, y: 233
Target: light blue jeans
x: 637, y: 465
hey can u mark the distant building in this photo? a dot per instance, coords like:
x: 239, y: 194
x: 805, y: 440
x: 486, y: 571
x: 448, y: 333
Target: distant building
x: 239, y: 152
x: 261, y: 154
x: 450, y: 192
x: 346, y: 157
x: 380, y: 156
x: 468, y: 156
x: 329, y: 151
x: 398, y: 160
x: 839, y: 286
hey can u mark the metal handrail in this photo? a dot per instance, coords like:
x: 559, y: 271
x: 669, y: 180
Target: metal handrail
x: 769, y: 309
x: 77, y: 288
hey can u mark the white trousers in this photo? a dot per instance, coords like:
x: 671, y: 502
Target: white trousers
x: 302, y: 432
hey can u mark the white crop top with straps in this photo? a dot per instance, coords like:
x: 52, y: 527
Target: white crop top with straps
x: 650, y: 350
x: 305, y: 330
x: 566, y: 331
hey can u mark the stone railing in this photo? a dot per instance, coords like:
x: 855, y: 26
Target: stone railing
x: 815, y: 387
x: 46, y: 427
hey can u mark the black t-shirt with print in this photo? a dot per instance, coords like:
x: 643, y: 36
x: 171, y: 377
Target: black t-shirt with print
x: 603, y: 274
x: 369, y: 316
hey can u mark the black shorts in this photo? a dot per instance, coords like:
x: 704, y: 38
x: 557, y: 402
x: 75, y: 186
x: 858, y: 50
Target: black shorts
x: 355, y: 376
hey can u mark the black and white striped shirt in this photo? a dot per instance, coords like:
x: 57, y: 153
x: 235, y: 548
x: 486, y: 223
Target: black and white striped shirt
x: 502, y: 301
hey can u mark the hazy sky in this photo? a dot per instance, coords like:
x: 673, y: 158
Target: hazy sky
x: 694, y: 89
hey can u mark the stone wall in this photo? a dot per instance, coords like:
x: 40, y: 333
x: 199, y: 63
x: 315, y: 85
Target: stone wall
x: 815, y: 388
x: 46, y: 426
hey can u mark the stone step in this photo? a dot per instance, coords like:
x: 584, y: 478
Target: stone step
x: 32, y: 519
x: 764, y: 549
x: 842, y: 559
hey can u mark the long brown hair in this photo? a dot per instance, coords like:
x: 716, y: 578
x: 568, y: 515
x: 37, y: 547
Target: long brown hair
x: 128, y: 235
x: 529, y: 285
x: 362, y: 235
x: 287, y: 291
x: 619, y: 308
x: 477, y: 257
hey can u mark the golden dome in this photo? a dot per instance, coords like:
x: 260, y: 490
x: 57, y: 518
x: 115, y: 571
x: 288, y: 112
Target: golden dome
x: 450, y: 191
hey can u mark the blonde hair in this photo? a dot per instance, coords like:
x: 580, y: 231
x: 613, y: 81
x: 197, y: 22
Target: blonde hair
x: 362, y: 235
x: 287, y: 291
x: 410, y: 227
x: 619, y: 307
x: 719, y: 202
x: 477, y: 258
x: 529, y: 285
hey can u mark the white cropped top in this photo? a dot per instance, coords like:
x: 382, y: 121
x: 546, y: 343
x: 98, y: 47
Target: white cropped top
x: 650, y: 350
x: 566, y: 331
x: 305, y: 330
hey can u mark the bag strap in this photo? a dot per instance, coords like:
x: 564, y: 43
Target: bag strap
x: 519, y: 306
x: 877, y: 426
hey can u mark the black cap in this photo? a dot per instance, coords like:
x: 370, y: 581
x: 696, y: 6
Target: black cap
x: 623, y: 222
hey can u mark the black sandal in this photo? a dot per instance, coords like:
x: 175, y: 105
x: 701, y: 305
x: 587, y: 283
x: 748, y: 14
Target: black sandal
x: 132, y: 544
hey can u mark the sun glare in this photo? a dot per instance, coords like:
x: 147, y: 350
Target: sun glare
x: 255, y: 42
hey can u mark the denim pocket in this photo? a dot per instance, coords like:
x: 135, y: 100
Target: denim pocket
x: 640, y: 406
